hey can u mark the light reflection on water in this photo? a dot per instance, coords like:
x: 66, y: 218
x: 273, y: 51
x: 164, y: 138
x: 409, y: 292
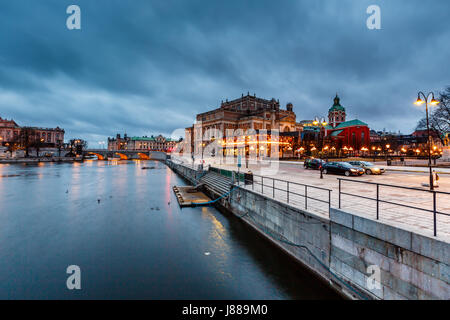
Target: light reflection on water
x: 123, y: 227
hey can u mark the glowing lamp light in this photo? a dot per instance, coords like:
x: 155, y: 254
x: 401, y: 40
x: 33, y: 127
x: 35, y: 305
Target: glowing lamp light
x: 434, y: 102
x: 419, y: 101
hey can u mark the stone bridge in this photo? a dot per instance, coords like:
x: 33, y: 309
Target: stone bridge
x: 103, y: 154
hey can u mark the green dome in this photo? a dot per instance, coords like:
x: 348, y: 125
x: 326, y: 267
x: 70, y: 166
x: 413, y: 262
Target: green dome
x: 336, y: 106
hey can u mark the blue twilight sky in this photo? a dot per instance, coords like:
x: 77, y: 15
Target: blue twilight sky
x: 148, y: 66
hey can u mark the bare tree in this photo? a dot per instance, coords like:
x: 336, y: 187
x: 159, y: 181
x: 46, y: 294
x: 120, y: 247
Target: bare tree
x: 27, y: 139
x: 78, y: 145
x: 439, y: 116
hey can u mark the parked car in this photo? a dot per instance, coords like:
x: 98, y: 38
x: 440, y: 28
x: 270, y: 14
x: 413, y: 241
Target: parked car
x: 368, y: 167
x: 342, y: 168
x: 313, y: 163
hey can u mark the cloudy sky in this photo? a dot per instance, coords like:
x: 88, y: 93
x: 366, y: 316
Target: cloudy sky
x: 147, y: 67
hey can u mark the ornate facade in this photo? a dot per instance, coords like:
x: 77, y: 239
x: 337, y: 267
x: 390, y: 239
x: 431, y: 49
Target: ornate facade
x: 353, y: 134
x: 248, y: 113
x: 10, y: 132
x: 159, y: 143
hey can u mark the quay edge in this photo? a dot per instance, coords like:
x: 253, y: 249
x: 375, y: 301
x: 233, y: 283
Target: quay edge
x: 343, y: 247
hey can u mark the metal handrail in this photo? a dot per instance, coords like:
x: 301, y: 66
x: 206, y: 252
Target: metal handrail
x: 378, y: 200
x: 393, y: 186
x: 288, y: 190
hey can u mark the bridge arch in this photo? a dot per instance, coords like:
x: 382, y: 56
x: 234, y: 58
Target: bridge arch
x: 122, y: 156
x: 143, y: 156
x: 99, y: 156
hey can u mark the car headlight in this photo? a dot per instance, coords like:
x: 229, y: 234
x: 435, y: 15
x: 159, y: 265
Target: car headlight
x: 353, y: 170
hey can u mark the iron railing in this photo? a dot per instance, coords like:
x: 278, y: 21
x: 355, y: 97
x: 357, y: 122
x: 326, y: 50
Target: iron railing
x: 281, y: 189
x: 379, y: 200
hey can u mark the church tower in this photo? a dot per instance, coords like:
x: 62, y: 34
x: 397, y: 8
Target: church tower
x: 336, y: 114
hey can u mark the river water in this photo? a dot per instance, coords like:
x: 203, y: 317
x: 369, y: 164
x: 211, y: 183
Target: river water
x: 123, y: 227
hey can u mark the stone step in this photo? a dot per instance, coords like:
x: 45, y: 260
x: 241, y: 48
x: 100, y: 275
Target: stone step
x: 216, y: 183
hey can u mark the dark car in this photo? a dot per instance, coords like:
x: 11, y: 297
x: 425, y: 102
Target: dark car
x: 313, y: 163
x: 368, y: 167
x: 342, y: 168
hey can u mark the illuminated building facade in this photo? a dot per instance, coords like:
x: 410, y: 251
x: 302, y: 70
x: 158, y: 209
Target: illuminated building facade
x: 353, y: 134
x: 10, y: 132
x: 159, y: 143
x: 245, y: 125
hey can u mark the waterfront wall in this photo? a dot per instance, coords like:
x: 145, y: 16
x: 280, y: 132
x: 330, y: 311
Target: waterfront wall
x: 191, y: 175
x: 411, y: 266
x: 303, y: 235
x: 37, y: 160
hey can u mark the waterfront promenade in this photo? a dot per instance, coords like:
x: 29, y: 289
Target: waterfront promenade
x: 38, y: 160
x: 415, y: 220
x: 412, y: 261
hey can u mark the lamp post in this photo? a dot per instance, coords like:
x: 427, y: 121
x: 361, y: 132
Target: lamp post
x: 387, y: 151
x: 433, y: 102
x: 322, y: 123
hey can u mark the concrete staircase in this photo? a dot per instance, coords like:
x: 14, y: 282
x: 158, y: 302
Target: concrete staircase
x: 216, y: 183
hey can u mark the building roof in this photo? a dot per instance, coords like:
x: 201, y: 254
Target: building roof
x: 152, y: 138
x: 311, y: 128
x: 351, y: 123
x: 336, y: 106
x: 336, y: 133
x: 143, y: 138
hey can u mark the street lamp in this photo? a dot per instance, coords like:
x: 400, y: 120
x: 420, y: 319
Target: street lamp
x: 433, y: 102
x: 387, y: 151
x: 322, y: 123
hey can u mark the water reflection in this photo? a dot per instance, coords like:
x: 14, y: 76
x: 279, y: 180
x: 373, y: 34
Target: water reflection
x: 122, y: 225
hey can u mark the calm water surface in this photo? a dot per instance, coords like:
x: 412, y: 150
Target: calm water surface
x: 135, y: 243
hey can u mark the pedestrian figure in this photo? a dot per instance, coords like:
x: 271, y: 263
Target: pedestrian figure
x: 435, y: 179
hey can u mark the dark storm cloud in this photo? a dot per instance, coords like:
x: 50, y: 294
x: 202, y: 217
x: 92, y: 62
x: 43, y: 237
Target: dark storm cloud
x: 149, y: 66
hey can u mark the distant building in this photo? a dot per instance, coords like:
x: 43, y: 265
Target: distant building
x: 375, y: 137
x: 339, y: 132
x: 10, y: 133
x: 158, y: 143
